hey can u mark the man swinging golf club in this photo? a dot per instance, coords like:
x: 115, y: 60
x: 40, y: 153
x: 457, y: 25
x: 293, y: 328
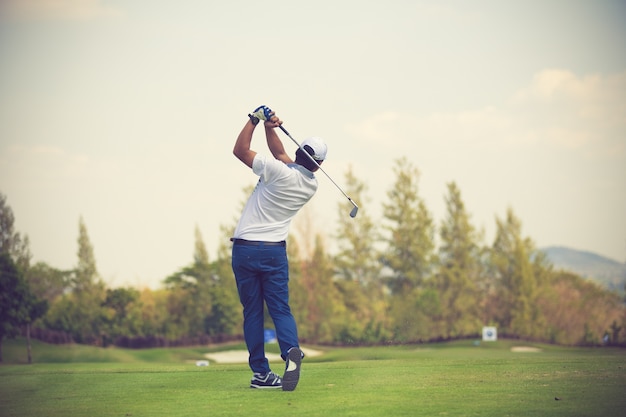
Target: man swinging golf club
x: 259, y: 255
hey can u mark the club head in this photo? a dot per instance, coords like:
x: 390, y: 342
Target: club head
x: 354, y: 211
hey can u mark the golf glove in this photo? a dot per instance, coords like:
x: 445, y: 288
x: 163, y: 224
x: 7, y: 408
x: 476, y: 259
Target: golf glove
x: 262, y: 113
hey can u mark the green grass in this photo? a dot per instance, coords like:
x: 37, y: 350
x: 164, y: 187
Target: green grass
x: 452, y: 379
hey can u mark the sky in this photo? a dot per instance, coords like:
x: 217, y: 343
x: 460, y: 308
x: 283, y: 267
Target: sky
x: 124, y: 113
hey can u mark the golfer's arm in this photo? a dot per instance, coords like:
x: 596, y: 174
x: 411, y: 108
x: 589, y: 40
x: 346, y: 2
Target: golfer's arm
x: 276, y: 145
x: 242, y: 145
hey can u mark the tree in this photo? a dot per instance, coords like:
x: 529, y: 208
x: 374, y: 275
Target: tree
x: 324, y: 317
x: 13, y: 296
x: 153, y: 312
x: 358, y: 268
x: 578, y: 311
x: 516, y: 283
x: 457, y: 281
x: 203, y: 295
x: 413, y: 315
x: 410, y: 239
x: 11, y: 241
x: 47, y: 282
x: 226, y: 317
x: 122, y: 312
x: 80, y: 311
x: 18, y: 305
x: 35, y: 308
x: 409, y: 256
x: 88, y: 289
x: 357, y: 257
x: 191, y: 294
x: 86, y: 273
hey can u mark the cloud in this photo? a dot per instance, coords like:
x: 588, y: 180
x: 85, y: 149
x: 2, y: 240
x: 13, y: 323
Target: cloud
x: 552, y: 84
x: 60, y: 9
x: 575, y: 111
x: 557, y: 108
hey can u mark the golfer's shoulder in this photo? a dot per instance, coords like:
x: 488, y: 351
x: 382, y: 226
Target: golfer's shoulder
x: 264, y: 163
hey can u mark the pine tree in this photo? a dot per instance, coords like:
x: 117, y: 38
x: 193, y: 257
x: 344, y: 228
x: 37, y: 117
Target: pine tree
x: 323, y: 298
x: 459, y: 269
x: 226, y: 317
x: 86, y: 273
x: 11, y: 241
x: 358, y: 267
x: 409, y: 255
x: 515, y: 277
x: 80, y: 312
x: 357, y: 257
x: 191, y: 291
x: 410, y: 232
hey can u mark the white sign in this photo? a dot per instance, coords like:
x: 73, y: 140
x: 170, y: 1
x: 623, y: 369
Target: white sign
x: 490, y: 334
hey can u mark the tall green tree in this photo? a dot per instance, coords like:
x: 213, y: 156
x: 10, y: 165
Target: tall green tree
x: 203, y: 297
x: 89, y: 290
x: 13, y: 299
x: 226, y: 317
x: 11, y: 241
x: 86, y: 275
x: 15, y: 287
x: 191, y: 290
x: 358, y: 267
x: 19, y: 307
x: 409, y: 255
x: 410, y: 231
x: 460, y: 272
x: 357, y: 256
x: 80, y: 311
x: 516, y: 279
x: 313, y: 297
x: 323, y: 299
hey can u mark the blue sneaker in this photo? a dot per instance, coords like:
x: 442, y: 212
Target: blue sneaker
x: 269, y: 380
x: 292, y: 369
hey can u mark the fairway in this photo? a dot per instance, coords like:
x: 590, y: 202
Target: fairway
x: 451, y: 379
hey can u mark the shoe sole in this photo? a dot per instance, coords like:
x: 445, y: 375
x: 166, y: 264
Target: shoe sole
x: 292, y: 370
x: 265, y: 386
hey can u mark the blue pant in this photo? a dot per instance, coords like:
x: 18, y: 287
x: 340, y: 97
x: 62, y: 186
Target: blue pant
x: 262, y: 275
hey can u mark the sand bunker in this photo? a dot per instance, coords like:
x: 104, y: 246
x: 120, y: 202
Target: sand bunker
x: 525, y: 349
x: 241, y: 356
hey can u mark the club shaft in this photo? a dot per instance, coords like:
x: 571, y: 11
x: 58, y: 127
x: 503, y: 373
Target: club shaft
x: 318, y: 165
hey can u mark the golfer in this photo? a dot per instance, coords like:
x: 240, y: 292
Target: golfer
x: 259, y: 258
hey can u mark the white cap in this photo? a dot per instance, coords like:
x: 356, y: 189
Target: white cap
x: 318, y: 145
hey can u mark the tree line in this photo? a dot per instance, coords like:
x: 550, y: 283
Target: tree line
x: 403, y: 279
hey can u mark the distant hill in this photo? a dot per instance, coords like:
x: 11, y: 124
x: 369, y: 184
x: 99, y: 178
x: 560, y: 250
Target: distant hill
x: 606, y: 272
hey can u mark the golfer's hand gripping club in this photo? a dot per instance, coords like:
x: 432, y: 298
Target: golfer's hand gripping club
x: 261, y: 113
x: 355, y: 207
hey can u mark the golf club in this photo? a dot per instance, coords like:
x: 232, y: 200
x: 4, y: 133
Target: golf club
x: 355, y: 209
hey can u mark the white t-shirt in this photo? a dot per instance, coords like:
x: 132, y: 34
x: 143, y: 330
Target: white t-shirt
x: 282, y: 190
